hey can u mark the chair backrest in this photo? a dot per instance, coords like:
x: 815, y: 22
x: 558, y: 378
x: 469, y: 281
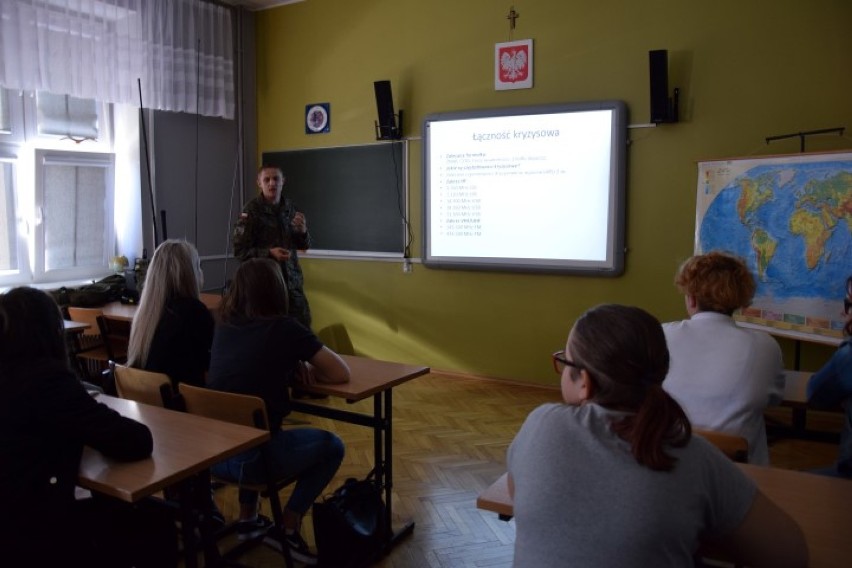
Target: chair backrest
x: 142, y: 386
x: 226, y: 406
x: 733, y: 446
x: 89, y: 316
x: 115, y: 335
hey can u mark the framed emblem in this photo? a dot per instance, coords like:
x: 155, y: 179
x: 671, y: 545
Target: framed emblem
x: 513, y: 65
x: 318, y: 118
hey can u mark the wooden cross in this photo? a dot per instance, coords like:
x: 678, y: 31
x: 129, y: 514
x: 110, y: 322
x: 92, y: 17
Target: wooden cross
x: 512, y: 17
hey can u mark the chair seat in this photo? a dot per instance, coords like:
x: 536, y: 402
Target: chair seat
x: 248, y: 411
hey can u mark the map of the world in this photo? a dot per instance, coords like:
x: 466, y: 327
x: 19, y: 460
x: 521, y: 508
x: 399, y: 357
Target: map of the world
x: 790, y: 218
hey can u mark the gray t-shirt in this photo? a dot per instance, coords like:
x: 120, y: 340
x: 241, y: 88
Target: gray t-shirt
x: 582, y: 500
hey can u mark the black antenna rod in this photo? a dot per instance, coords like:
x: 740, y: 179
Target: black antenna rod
x: 148, y: 164
x: 197, y: 113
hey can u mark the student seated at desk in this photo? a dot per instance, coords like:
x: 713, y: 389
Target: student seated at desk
x: 723, y: 375
x: 257, y: 350
x: 614, y: 478
x: 46, y: 417
x: 832, y: 386
x: 172, y: 330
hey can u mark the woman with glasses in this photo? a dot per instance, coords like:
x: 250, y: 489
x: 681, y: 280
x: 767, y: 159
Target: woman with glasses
x: 832, y: 385
x: 613, y: 476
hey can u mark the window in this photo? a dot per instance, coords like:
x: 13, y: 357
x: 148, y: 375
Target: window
x: 74, y: 215
x: 11, y: 117
x: 57, y: 176
x: 9, y: 252
x: 5, y: 121
x: 66, y: 116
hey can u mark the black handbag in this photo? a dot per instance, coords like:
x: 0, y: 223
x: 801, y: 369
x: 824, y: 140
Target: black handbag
x: 349, y: 524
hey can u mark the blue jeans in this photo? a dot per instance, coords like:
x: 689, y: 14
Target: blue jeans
x: 310, y: 455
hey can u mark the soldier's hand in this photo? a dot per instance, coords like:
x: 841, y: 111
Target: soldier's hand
x: 279, y: 254
x: 299, y: 223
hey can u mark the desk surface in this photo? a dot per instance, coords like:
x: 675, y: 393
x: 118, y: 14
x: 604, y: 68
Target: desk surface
x: 368, y: 377
x: 75, y: 326
x: 821, y: 505
x: 184, y: 444
x: 119, y: 311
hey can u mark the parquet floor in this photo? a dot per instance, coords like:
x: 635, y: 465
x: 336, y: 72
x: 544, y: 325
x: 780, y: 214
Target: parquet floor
x: 450, y: 439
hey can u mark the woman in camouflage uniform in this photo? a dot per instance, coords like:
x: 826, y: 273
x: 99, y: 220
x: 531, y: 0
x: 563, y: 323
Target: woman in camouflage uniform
x: 271, y: 227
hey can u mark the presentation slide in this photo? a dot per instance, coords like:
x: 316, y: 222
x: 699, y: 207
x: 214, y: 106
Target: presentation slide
x: 531, y: 190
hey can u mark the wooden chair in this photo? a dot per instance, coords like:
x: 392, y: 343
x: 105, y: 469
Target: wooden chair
x: 115, y: 335
x: 248, y: 411
x: 143, y: 386
x: 93, y: 353
x: 733, y: 446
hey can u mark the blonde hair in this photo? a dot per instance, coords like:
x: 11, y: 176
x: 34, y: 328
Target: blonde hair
x: 174, y: 272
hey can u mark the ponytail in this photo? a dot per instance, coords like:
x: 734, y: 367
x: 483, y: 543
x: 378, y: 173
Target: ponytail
x: 659, y: 422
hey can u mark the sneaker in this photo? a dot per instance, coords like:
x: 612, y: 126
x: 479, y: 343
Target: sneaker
x: 252, y: 529
x: 299, y: 550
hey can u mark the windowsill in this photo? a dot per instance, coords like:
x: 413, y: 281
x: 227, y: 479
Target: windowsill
x: 55, y: 285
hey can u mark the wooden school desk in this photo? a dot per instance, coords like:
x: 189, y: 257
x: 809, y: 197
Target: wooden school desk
x: 821, y: 505
x: 125, y: 312
x: 184, y: 444
x: 368, y: 378
x: 796, y: 399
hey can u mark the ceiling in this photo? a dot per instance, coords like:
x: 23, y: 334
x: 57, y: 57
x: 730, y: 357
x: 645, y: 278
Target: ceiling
x: 255, y: 5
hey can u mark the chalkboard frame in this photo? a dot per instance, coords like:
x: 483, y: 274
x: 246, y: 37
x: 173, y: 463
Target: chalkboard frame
x: 355, y: 198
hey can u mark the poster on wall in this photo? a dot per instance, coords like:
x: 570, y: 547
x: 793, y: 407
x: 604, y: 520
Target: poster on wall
x: 790, y: 218
x: 318, y: 118
x: 513, y: 65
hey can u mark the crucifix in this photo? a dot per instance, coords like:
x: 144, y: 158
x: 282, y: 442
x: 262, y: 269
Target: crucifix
x: 512, y: 17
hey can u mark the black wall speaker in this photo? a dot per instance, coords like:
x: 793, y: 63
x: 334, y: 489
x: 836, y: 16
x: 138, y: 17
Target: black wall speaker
x: 387, y: 127
x: 658, y: 61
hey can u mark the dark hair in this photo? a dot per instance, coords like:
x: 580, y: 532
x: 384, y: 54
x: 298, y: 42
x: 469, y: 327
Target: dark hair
x: 258, y: 291
x: 719, y: 282
x: 31, y: 329
x: 624, y: 350
x: 847, y: 329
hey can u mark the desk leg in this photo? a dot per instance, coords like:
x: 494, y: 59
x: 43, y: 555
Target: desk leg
x: 386, y: 467
x: 187, y: 525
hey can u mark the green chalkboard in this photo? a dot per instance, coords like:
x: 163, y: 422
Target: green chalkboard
x: 352, y: 196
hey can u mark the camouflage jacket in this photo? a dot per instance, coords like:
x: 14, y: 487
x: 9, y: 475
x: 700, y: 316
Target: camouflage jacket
x: 263, y: 226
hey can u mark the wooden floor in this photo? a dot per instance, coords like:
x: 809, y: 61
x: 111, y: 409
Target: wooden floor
x: 450, y: 441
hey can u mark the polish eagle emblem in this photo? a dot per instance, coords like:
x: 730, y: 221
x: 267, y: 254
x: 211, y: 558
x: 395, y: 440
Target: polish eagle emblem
x: 513, y: 65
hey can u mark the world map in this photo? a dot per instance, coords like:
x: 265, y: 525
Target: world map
x: 790, y: 218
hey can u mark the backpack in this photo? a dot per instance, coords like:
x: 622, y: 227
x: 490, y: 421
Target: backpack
x: 92, y: 295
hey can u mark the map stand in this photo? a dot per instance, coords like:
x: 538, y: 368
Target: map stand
x: 801, y: 135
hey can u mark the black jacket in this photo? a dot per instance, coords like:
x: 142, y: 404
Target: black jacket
x: 46, y: 417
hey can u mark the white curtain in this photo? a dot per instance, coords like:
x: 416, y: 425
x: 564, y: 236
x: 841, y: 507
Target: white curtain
x: 180, y: 50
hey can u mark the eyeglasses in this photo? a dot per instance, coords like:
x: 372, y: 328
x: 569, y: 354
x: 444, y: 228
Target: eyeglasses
x: 560, y: 362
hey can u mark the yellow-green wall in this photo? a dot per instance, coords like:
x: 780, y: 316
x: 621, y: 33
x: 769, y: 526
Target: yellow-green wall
x: 746, y: 69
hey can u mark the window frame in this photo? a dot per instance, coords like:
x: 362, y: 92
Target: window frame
x: 17, y: 132
x: 104, y: 143
x: 48, y: 157
x: 22, y: 273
